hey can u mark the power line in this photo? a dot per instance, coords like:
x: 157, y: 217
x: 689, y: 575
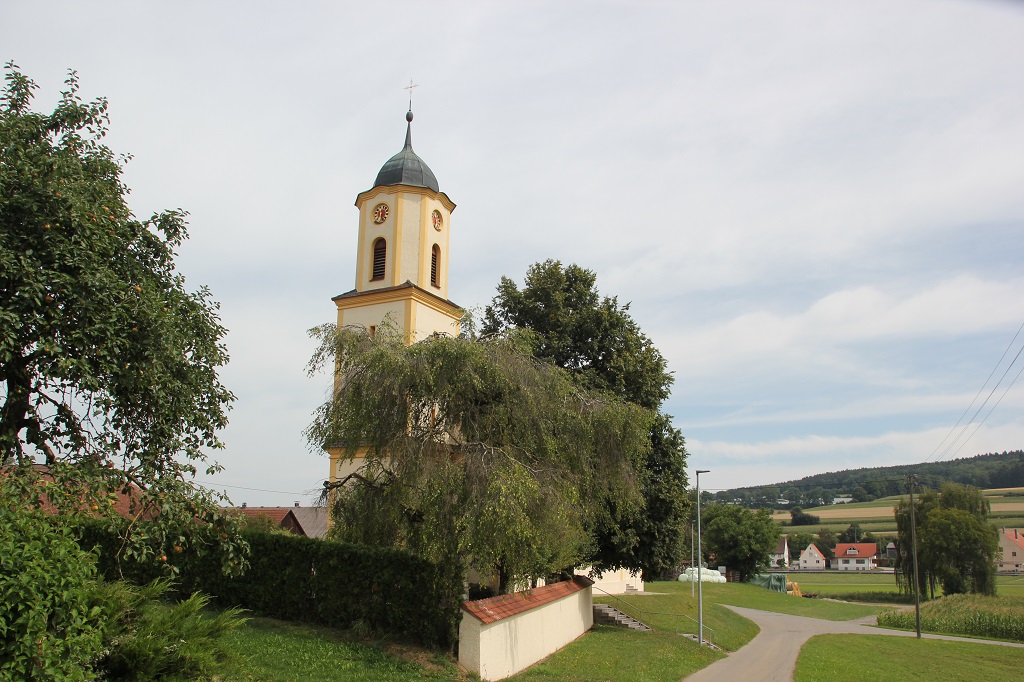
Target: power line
x: 1019, y: 372
x: 241, y: 487
x: 980, y: 390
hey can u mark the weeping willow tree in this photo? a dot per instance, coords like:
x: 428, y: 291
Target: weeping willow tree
x: 473, y: 450
x: 956, y: 545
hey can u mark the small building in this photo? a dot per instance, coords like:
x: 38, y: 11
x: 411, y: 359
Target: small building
x: 842, y: 500
x: 812, y: 559
x: 855, y: 556
x: 780, y: 557
x: 1011, y: 551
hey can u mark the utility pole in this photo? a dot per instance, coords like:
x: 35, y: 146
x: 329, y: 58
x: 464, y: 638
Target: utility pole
x: 700, y: 580
x: 691, y: 561
x: 913, y: 536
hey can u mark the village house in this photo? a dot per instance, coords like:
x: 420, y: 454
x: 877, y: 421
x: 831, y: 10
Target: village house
x: 780, y: 557
x: 812, y: 559
x: 1011, y: 551
x: 855, y: 556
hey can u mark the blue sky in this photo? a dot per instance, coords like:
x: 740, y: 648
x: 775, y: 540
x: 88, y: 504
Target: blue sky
x: 814, y: 208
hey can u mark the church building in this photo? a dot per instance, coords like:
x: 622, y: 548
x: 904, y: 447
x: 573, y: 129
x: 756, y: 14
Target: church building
x: 401, y: 261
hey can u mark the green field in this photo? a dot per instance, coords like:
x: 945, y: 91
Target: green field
x: 845, y: 582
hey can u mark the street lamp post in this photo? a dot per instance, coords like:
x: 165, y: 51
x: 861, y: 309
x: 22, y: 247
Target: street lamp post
x: 700, y: 580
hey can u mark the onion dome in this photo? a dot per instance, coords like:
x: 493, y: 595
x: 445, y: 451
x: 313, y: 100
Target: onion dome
x: 405, y: 168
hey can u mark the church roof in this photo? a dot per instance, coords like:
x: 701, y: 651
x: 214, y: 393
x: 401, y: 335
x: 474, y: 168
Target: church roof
x: 355, y: 293
x: 405, y: 167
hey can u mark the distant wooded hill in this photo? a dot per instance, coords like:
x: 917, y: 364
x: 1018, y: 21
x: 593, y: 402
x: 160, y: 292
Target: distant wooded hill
x: 1002, y: 470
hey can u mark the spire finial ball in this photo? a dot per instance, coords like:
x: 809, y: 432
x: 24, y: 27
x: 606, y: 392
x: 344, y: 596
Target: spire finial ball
x: 408, y: 116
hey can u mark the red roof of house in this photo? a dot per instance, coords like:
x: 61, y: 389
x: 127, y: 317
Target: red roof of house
x: 865, y: 550
x: 1014, y: 535
x: 494, y: 609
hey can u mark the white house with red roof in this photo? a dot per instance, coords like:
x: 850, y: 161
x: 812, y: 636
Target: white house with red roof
x: 855, y: 556
x: 812, y: 559
x: 1011, y: 550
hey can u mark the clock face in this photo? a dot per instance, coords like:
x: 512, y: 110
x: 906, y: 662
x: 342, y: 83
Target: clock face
x: 437, y: 220
x: 380, y: 213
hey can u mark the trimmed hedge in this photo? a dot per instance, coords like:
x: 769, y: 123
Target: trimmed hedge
x: 304, y: 579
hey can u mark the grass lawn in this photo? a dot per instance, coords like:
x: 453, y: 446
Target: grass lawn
x: 608, y: 653
x: 874, y: 657
x: 277, y: 651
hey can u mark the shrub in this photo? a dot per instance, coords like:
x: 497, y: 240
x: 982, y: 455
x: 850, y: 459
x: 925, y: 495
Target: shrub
x: 48, y: 629
x: 304, y: 579
x: 146, y: 640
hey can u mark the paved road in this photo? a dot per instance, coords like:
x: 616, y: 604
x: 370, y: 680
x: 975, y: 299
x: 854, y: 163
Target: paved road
x: 771, y: 655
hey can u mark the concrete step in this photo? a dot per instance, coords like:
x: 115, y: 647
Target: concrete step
x: 608, y: 615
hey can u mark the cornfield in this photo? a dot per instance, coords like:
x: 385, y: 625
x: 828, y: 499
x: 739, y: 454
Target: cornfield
x: 967, y: 615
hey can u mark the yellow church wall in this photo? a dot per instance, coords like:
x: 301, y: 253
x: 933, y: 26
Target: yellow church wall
x: 369, y: 233
x: 409, y: 239
x: 427, y: 321
x: 372, y: 315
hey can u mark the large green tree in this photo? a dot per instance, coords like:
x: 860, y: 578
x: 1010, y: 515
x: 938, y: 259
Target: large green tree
x: 595, y: 338
x: 475, y: 451
x: 957, y: 547
x: 108, y: 362
x: 739, y: 538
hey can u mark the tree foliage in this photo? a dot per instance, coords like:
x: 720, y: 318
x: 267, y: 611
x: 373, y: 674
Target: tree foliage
x: 474, y: 450
x: 798, y: 517
x: 957, y: 547
x: 108, y: 363
x: 739, y: 538
x: 599, y: 343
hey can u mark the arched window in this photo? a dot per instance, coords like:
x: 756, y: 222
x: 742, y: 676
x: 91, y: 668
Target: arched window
x: 435, y: 266
x: 380, y: 253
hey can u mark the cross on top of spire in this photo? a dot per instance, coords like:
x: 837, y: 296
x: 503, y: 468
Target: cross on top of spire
x: 409, y: 87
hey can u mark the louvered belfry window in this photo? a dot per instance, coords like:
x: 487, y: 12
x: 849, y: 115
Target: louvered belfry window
x: 435, y: 266
x: 380, y: 253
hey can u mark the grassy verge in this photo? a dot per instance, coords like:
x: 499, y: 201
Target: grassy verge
x: 270, y: 650
x: 609, y: 654
x: 839, y: 658
x: 965, y: 615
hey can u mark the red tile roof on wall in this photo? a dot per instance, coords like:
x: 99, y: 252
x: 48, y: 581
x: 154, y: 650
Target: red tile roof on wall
x: 865, y: 550
x: 493, y: 609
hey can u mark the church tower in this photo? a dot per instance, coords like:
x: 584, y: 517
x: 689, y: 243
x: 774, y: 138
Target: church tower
x: 402, y: 254
x: 401, y: 261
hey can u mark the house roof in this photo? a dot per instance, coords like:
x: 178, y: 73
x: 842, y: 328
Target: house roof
x: 864, y: 550
x: 813, y: 549
x: 493, y: 609
x: 128, y: 501
x: 783, y: 545
x: 312, y: 521
x: 1014, y: 536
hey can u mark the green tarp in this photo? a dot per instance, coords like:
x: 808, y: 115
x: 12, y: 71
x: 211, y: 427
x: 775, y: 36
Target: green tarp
x: 771, y: 581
